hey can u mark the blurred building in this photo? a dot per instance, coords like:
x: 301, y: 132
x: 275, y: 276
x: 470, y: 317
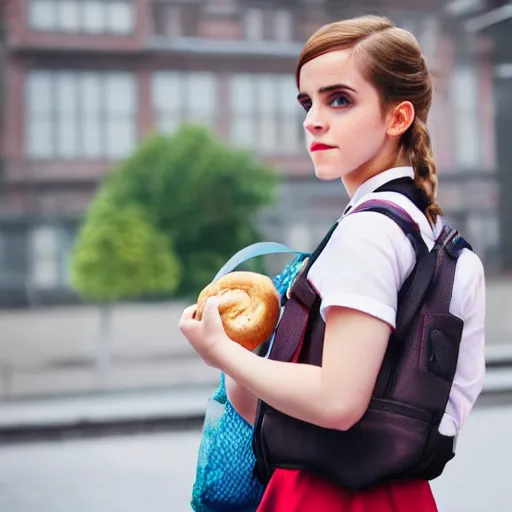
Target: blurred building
x: 85, y: 80
x: 493, y: 23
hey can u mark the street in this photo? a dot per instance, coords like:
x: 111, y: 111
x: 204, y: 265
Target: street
x: 154, y: 472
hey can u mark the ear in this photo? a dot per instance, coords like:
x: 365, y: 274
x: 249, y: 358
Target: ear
x: 400, y: 118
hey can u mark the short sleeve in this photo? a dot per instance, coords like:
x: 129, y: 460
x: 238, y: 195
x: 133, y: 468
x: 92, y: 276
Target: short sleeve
x: 362, y: 266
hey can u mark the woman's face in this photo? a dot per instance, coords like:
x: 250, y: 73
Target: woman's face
x: 346, y: 130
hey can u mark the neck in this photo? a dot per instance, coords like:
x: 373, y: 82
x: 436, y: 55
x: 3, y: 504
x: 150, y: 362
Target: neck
x: 357, y: 177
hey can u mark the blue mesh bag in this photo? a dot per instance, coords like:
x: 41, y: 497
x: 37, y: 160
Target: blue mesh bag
x: 224, y: 476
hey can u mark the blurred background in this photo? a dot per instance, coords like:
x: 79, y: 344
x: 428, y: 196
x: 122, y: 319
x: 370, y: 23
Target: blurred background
x: 142, y: 143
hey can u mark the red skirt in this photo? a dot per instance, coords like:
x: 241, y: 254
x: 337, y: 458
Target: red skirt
x: 299, y: 491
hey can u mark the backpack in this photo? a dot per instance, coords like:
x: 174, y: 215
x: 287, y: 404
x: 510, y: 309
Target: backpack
x: 398, y: 437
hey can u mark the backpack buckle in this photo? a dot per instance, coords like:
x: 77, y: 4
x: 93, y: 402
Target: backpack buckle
x: 455, y: 245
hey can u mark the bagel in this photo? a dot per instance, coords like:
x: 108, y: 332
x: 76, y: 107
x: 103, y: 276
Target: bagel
x: 249, y: 306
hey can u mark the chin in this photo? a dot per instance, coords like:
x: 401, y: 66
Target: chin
x: 327, y: 174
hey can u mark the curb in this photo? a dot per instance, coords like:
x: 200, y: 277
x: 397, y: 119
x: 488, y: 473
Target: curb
x: 499, y: 355
x: 112, y: 413
x: 176, y: 408
x: 498, y: 379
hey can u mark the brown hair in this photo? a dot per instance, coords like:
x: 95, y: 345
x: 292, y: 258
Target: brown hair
x: 390, y: 58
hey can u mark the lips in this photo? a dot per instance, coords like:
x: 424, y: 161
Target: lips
x: 318, y: 146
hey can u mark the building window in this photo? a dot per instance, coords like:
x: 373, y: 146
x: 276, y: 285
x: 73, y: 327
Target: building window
x: 268, y: 25
x: 45, y: 257
x: 436, y: 127
x: 184, y: 97
x: 283, y: 25
x: 483, y: 230
x: 66, y: 240
x: 81, y: 114
x: 265, y: 114
x: 43, y: 14
x: 254, y: 24
x: 167, y: 20
x: 13, y: 256
x: 69, y: 16
x: 466, y: 117
x: 426, y: 29
x: 87, y: 16
x: 50, y: 249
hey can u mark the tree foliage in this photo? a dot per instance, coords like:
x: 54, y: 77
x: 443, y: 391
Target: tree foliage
x: 201, y: 193
x: 118, y: 254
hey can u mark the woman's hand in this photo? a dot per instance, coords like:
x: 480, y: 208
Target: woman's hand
x: 208, y: 335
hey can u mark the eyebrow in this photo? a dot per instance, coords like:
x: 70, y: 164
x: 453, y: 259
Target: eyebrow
x: 327, y: 88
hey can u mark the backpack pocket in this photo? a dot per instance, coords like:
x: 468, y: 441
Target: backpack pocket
x: 440, y: 343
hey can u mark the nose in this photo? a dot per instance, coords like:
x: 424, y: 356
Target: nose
x: 313, y: 123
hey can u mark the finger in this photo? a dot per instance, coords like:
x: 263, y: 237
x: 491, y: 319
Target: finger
x: 189, y: 313
x: 211, y: 310
x: 187, y: 316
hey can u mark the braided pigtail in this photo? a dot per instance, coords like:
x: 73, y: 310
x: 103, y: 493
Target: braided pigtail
x: 422, y: 160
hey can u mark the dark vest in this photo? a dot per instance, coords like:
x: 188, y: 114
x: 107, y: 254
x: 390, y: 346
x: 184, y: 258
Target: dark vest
x: 398, y: 437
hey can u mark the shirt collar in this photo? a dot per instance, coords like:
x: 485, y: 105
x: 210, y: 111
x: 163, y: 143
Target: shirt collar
x: 378, y: 180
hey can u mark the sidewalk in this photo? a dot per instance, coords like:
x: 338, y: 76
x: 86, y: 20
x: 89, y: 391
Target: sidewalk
x: 49, y: 351
x: 149, y: 372
x: 145, y: 406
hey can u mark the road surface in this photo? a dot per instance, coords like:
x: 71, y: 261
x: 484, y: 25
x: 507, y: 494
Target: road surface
x: 154, y: 472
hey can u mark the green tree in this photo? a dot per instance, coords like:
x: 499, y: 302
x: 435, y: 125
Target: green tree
x: 201, y: 192
x: 118, y: 254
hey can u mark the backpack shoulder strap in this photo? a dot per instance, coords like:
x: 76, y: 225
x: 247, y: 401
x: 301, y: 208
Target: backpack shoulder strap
x: 401, y: 217
x: 450, y: 245
x: 412, y: 294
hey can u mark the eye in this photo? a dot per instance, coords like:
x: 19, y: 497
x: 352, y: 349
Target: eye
x: 340, y: 100
x: 306, y: 105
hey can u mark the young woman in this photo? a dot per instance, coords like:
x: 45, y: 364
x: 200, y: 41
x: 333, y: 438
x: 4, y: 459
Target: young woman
x: 367, y: 91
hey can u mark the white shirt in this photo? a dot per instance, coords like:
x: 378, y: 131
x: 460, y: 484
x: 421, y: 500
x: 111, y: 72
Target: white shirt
x: 364, y: 265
